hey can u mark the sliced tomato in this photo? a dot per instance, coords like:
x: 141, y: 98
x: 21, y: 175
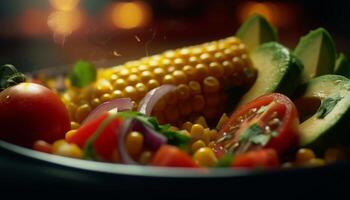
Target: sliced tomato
x: 105, y: 144
x: 171, y: 156
x: 270, y: 121
x: 265, y: 158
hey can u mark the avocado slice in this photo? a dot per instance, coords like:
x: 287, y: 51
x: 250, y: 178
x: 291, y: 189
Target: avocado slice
x: 255, y: 31
x: 317, y: 52
x: 278, y: 71
x: 342, y: 66
x: 328, y: 124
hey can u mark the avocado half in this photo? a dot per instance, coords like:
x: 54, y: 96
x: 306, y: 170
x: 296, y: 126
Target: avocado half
x: 278, y: 71
x: 329, y: 123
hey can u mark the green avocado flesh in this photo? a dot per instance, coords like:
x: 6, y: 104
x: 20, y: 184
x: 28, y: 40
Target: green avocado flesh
x: 327, y: 125
x: 317, y: 52
x: 278, y: 71
x: 255, y: 31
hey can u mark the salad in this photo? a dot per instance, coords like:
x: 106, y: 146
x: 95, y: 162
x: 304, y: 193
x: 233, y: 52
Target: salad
x: 245, y: 101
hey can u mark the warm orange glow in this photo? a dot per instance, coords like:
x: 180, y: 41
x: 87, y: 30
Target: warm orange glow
x: 130, y: 15
x: 32, y: 22
x: 64, y: 23
x: 251, y: 8
x: 64, y: 5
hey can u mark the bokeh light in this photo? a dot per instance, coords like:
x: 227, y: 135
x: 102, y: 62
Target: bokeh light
x: 129, y: 15
x: 64, y: 5
x: 64, y: 23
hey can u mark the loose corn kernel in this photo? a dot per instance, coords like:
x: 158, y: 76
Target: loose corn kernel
x: 82, y: 112
x: 333, y: 154
x: 205, y: 157
x: 145, y: 157
x: 74, y: 125
x: 314, y: 162
x: 62, y: 148
x: 197, y: 145
x: 134, y: 143
x: 197, y: 131
x: 304, y: 155
x: 201, y: 120
x: 223, y: 119
x: 206, y: 137
x: 187, y: 126
x: 211, y: 85
x: 70, y: 134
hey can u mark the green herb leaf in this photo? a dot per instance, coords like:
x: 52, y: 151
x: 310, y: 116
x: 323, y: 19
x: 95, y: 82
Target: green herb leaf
x: 327, y: 106
x: 174, y: 137
x: 261, y: 139
x: 250, y: 132
x: 9, y: 76
x: 342, y: 65
x: 83, y: 74
x: 225, y: 161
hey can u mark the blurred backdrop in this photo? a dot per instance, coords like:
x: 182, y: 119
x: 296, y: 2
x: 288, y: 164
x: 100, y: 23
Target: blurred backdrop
x: 38, y: 34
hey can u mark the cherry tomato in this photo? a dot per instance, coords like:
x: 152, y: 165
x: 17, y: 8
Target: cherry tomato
x: 171, y: 156
x: 105, y: 144
x: 270, y: 121
x: 30, y: 112
x: 266, y: 158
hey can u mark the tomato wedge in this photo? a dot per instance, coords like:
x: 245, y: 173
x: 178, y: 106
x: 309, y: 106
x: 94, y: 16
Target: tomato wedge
x: 171, y: 156
x: 270, y: 121
x: 265, y: 158
x: 105, y: 144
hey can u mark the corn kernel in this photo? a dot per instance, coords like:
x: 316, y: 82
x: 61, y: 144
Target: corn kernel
x: 228, y: 67
x: 168, y: 79
x: 171, y: 69
x: 124, y: 72
x: 70, y: 134
x: 190, y: 72
x: 197, y: 131
x: 134, y: 143
x: 304, y: 155
x: 141, y: 89
x: 211, y: 84
x: 142, y: 68
x: 159, y: 73
x: 179, y: 76
x: 195, y: 87
x: 201, y: 120
x: 205, y: 157
x: 202, y: 70
x: 105, y: 97
x: 153, y: 83
x: 130, y: 91
x: 183, y: 91
x: 166, y: 62
x: 178, y: 62
x: 120, y: 84
x: 193, y: 60
x: 206, y: 136
x: 198, y: 103
x: 205, y: 57
x: 74, y: 125
x: 146, y: 76
x: 197, y: 145
x: 187, y: 126
x: 133, y: 79
x: 216, y: 69
x: 314, y: 162
x: 118, y: 94
x: 95, y: 102
x: 62, y: 148
x: 103, y: 86
x: 145, y: 157
x: 82, y: 112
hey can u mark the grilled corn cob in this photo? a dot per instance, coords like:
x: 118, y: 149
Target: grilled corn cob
x: 202, y: 73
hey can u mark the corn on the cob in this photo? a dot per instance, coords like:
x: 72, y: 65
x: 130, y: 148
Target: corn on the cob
x: 202, y: 74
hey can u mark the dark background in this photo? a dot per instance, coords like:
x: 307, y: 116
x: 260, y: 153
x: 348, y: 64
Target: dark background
x: 31, y: 35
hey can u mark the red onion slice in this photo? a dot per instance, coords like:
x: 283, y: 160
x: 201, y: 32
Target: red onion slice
x: 152, y: 97
x: 152, y: 139
x: 120, y: 104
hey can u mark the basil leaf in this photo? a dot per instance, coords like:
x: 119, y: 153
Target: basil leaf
x: 225, y: 161
x: 250, y: 132
x: 83, y: 74
x: 327, y: 106
x: 260, y: 139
